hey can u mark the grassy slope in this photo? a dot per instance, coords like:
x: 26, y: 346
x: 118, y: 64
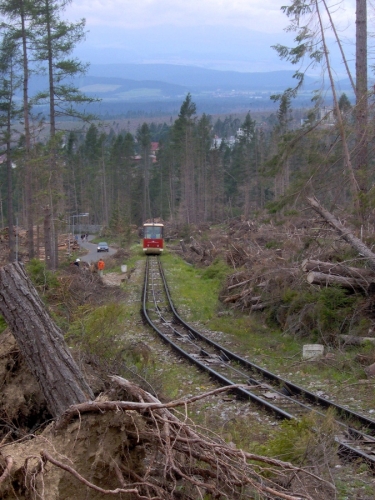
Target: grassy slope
x: 195, y: 294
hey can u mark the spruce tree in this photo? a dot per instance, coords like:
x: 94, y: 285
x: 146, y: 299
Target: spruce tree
x: 19, y: 14
x: 10, y: 82
x: 144, y: 142
x: 55, y: 40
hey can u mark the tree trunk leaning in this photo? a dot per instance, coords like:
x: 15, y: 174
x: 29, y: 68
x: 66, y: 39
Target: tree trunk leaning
x: 41, y: 341
x: 346, y: 235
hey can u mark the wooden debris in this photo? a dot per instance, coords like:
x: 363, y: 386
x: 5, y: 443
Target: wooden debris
x: 322, y: 279
x: 352, y: 340
x: 344, y: 232
x: 337, y: 269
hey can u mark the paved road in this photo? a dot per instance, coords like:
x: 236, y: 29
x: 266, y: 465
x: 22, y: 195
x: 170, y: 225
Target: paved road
x: 93, y: 255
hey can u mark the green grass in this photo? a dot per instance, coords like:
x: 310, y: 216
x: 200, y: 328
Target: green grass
x: 100, y: 87
x: 195, y: 294
x: 194, y: 291
x: 143, y: 93
x: 3, y: 324
x: 97, y: 330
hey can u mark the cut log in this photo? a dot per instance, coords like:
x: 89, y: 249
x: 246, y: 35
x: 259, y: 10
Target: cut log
x: 262, y: 305
x: 232, y: 298
x: 195, y: 249
x: 346, y: 235
x: 41, y: 341
x: 352, y: 340
x: 239, y: 284
x: 322, y: 279
x: 337, y: 269
x: 239, y: 296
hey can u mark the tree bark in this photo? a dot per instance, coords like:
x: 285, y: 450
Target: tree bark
x: 329, y: 280
x: 48, y: 237
x: 339, y: 118
x: 361, y: 109
x: 352, y: 340
x: 346, y: 235
x: 334, y: 268
x: 26, y: 117
x: 41, y: 341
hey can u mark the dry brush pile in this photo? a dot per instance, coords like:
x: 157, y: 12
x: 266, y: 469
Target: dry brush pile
x: 298, y: 271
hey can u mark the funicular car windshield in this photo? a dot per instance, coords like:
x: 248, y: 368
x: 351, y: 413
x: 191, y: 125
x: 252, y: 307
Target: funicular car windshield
x: 153, y: 232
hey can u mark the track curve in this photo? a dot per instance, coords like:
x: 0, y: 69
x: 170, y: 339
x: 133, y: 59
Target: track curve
x: 356, y: 436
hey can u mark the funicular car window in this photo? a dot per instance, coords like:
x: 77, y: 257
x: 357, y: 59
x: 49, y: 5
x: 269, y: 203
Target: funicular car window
x: 152, y: 232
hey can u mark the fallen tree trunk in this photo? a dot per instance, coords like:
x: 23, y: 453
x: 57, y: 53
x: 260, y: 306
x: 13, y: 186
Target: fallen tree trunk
x: 262, y: 305
x: 195, y: 249
x: 239, y: 296
x: 322, y: 279
x: 41, y: 341
x: 232, y: 298
x: 334, y: 268
x: 352, y: 340
x: 239, y: 284
x: 346, y: 235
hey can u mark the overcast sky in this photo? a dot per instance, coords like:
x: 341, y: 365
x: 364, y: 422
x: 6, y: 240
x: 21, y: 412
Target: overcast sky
x: 260, y: 15
x: 221, y: 34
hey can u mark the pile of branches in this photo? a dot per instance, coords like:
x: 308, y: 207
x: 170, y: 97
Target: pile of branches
x: 179, y: 461
x: 199, y: 252
x: 253, y: 290
x: 338, y: 274
x: 267, y: 273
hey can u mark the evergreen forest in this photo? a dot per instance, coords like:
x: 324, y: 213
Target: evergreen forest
x: 195, y: 170
x: 274, y: 209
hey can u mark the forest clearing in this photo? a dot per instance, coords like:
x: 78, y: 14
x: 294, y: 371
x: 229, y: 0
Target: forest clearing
x: 264, y: 263
x: 269, y: 225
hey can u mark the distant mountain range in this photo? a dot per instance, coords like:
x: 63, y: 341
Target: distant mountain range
x: 194, y: 77
x: 128, y: 89
x: 168, y: 80
x: 164, y: 84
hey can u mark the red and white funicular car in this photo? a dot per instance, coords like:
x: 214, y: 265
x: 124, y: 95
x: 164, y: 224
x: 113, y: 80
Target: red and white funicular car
x: 153, y: 238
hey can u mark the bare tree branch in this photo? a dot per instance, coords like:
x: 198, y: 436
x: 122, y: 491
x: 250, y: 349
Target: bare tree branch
x: 6, y: 472
x: 46, y: 456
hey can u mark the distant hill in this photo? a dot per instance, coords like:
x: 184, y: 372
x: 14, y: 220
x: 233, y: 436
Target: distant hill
x: 161, y: 88
x: 193, y: 77
x: 127, y: 89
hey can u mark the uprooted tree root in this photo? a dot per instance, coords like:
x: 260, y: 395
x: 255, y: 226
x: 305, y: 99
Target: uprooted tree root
x: 141, y: 449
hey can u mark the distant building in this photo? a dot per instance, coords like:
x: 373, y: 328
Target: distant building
x: 324, y: 115
x: 240, y: 133
x: 216, y: 142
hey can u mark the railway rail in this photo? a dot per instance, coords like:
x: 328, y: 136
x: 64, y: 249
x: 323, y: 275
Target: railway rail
x: 356, y: 433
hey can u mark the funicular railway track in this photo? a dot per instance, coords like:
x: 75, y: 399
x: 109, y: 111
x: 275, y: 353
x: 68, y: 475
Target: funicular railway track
x: 356, y: 433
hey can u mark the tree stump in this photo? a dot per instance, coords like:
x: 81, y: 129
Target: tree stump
x: 41, y: 341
